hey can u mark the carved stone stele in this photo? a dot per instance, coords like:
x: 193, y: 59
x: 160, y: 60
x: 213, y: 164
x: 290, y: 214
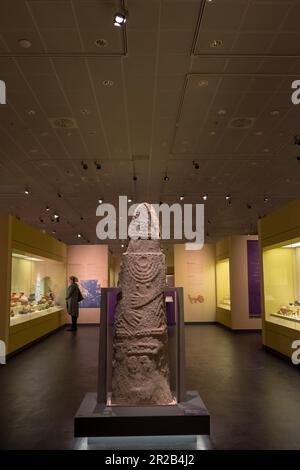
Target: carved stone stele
x: 140, y: 372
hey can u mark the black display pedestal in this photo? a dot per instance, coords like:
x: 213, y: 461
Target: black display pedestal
x: 189, y: 417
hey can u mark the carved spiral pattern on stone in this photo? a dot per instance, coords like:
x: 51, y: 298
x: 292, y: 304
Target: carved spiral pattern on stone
x: 143, y: 268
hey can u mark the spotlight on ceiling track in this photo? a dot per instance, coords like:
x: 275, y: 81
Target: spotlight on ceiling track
x: 204, y: 197
x: 122, y: 245
x: 181, y: 198
x: 47, y: 208
x: 249, y: 206
x: 228, y: 197
x: 79, y: 235
x: 196, y: 165
x: 100, y: 200
x: 56, y: 215
x: 59, y: 194
x: 266, y: 199
x: 120, y: 18
x: 97, y: 165
x: 27, y: 192
x: 297, y: 139
x: 84, y: 165
x: 130, y: 199
x: 166, y: 178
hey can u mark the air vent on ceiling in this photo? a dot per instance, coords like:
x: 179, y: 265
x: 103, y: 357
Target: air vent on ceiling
x: 138, y: 158
x: 241, y: 123
x: 63, y: 123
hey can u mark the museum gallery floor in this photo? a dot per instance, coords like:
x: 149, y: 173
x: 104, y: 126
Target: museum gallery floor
x: 247, y: 390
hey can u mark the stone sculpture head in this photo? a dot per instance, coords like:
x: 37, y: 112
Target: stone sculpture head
x: 145, y: 223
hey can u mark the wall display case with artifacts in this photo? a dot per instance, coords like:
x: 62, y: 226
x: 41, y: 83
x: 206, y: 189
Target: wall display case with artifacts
x: 37, y: 287
x: 238, y: 287
x: 280, y: 252
x: 33, y: 283
x: 223, y: 284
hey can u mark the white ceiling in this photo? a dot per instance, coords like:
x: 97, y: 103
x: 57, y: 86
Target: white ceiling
x: 161, y: 114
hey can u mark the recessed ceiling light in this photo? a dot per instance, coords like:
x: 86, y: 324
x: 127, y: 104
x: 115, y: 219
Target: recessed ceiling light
x: 258, y: 133
x: 79, y: 235
x: 30, y: 112
x: 275, y: 112
x: 215, y: 43
x: 85, y: 111
x: 120, y: 18
x: 101, y: 42
x: 100, y: 201
x: 122, y: 245
x: 221, y: 112
x: 204, y: 197
x: 25, y: 43
x: 129, y: 200
x: 27, y: 192
x: 107, y: 83
x: 292, y: 245
x: 203, y: 83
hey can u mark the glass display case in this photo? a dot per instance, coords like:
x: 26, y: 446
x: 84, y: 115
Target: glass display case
x: 223, y: 284
x: 38, y: 287
x: 281, y: 271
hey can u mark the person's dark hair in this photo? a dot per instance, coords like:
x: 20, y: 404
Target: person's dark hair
x: 73, y: 279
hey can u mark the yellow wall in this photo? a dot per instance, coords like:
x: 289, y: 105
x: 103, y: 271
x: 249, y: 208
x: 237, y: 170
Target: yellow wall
x: 279, y: 278
x: 5, y: 275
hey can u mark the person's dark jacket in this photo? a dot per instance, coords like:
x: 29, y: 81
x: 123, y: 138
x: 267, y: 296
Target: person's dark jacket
x: 73, y: 294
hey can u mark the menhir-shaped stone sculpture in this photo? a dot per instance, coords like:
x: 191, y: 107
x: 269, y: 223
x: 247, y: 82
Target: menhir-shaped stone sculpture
x: 140, y: 372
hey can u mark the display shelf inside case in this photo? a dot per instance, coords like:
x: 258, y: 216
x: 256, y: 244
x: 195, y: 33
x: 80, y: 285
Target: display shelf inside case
x: 37, y: 287
x: 282, y: 283
x: 223, y: 284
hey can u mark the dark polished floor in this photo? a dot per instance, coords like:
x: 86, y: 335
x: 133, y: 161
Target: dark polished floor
x: 253, y: 396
